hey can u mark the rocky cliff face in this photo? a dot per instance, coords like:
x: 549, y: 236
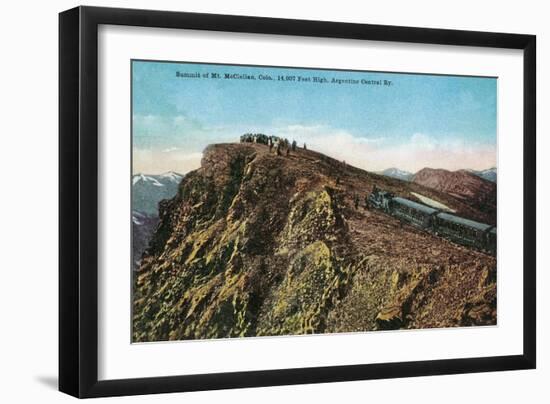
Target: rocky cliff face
x: 256, y: 244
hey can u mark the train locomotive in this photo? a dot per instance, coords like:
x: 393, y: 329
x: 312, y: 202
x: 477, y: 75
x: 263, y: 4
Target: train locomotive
x: 462, y: 231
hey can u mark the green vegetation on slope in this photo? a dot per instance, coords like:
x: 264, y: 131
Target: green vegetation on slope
x: 259, y: 244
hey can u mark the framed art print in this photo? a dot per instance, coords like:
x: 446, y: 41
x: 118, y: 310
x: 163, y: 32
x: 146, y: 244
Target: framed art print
x: 248, y: 201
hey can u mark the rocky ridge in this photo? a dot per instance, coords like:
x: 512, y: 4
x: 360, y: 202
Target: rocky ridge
x: 257, y: 244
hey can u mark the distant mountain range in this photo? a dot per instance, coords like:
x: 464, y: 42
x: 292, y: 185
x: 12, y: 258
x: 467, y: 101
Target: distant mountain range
x: 397, y: 173
x: 489, y: 174
x: 464, y: 185
x: 147, y: 192
x: 259, y: 244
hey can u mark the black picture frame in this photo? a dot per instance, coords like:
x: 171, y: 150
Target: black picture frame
x: 78, y: 201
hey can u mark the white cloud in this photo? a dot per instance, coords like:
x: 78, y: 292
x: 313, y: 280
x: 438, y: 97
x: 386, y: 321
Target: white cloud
x: 373, y: 152
x: 171, y: 149
x: 369, y: 151
x: 420, y: 141
x: 153, y: 161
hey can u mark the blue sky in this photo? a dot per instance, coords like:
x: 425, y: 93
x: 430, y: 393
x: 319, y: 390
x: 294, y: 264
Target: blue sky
x: 417, y: 121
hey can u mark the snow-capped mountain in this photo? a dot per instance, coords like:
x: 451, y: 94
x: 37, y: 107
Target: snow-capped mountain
x: 149, y: 190
x: 172, y: 176
x: 397, y: 173
x: 141, y: 178
x: 157, y: 180
x: 489, y: 174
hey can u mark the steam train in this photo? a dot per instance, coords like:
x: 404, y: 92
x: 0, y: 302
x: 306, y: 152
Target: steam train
x: 462, y: 231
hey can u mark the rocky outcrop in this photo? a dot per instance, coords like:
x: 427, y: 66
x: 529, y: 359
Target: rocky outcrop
x: 257, y: 244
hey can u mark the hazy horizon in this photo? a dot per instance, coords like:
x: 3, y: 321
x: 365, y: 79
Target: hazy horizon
x: 417, y: 121
x: 377, y: 171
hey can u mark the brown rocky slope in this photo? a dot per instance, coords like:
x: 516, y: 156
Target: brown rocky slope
x: 477, y: 192
x: 257, y: 244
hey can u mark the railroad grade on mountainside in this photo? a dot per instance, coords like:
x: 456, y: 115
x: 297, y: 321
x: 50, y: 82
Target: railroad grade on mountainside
x: 257, y: 243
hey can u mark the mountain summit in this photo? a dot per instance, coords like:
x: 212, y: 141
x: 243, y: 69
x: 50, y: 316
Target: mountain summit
x: 256, y: 243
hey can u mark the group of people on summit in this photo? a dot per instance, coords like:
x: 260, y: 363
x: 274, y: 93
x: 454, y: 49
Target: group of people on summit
x: 281, y: 145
